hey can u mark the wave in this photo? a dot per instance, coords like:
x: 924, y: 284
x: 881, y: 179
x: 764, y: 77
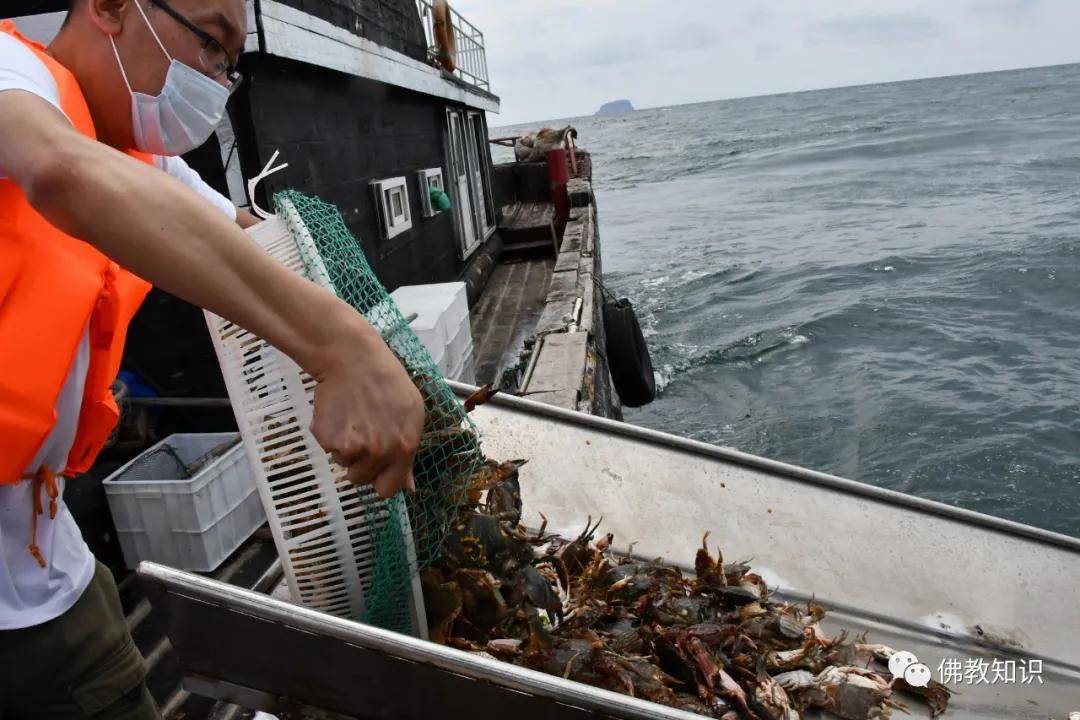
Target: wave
x: 745, y: 352
x: 1067, y: 162
x: 890, y: 148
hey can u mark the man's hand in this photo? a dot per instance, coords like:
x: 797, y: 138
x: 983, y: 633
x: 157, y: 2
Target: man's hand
x: 245, y: 219
x: 369, y: 414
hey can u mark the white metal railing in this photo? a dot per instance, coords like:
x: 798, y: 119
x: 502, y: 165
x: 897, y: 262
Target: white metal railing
x: 471, y: 58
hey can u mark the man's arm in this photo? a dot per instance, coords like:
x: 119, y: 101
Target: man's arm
x: 367, y: 411
x: 178, y: 168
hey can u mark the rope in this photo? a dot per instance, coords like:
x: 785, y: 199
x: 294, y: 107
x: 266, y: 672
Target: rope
x: 604, y: 291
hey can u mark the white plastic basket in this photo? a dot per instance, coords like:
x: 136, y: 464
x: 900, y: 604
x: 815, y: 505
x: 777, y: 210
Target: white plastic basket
x: 192, y: 523
x: 322, y: 525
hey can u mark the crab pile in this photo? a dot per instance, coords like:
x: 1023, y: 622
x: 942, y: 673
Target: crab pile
x: 716, y: 643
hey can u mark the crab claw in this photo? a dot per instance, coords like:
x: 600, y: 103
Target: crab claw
x: 507, y: 469
x: 480, y: 397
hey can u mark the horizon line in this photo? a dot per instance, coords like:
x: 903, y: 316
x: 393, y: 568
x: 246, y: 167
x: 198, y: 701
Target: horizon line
x: 798, y: 92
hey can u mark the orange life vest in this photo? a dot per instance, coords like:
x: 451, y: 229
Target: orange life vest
x: 51, y: 286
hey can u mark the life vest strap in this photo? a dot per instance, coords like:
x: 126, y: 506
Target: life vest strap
x: 43, y: 478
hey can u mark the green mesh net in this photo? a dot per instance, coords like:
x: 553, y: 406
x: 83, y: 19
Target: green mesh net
x: 450, y: 449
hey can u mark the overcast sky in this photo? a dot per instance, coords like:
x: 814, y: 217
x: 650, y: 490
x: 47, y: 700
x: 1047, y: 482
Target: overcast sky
x: 560, y: 58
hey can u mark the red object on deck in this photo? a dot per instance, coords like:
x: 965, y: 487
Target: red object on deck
x: 559, y: 174
x: 558, y: 169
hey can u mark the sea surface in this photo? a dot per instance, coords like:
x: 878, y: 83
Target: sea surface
x: 879, y: 282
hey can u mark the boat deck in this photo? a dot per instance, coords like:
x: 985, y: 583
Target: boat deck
x: 507, y: 313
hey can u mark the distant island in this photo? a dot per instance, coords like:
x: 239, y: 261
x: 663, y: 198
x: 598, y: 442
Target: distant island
x: 618, y: 107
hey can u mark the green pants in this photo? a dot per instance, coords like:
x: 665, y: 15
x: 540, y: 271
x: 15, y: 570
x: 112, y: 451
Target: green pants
x: 81, y: 665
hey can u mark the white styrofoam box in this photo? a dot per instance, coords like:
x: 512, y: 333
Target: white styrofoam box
x: 466, y: 372
x: 443, y: 364
x: 193, y: 523
x: 442, y: 310
x: 451, y: 363
x: 465, y: 368
x: 453, y: 296
x: 459, y: 347
x: 431, y: 324
x: 322, y: 525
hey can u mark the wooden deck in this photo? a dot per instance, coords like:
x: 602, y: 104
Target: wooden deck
x: 507, y: 314
x: 529, y: 226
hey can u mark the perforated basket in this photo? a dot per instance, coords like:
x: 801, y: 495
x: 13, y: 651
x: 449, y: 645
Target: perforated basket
x: 326, y: 530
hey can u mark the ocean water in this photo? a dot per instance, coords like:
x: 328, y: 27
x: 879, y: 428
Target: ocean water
x: 880, y: 282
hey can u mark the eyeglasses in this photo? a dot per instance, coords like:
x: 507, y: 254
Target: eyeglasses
x: 213, y: 57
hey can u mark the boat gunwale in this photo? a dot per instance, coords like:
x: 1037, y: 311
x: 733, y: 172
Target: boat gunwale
x: 786, y: 470
x: 507, y: 676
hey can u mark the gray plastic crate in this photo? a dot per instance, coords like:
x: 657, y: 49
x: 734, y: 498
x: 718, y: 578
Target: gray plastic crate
x: 187, y: 502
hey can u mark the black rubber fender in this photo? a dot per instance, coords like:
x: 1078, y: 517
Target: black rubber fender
x: 628, y: 355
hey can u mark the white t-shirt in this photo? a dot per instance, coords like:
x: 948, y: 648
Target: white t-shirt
x: 30, y: 595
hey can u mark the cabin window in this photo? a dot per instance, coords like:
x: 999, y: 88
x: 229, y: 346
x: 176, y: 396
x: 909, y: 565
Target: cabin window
x: 425, y: 180
x: 392, y: 201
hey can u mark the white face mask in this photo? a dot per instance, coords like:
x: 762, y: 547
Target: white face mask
x: 180, y: 118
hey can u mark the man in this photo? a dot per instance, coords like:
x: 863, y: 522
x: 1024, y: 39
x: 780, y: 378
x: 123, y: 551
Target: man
x: 86, y: 213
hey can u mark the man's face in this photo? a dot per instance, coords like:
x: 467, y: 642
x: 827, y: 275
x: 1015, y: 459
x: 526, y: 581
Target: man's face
x: 223, y: 26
